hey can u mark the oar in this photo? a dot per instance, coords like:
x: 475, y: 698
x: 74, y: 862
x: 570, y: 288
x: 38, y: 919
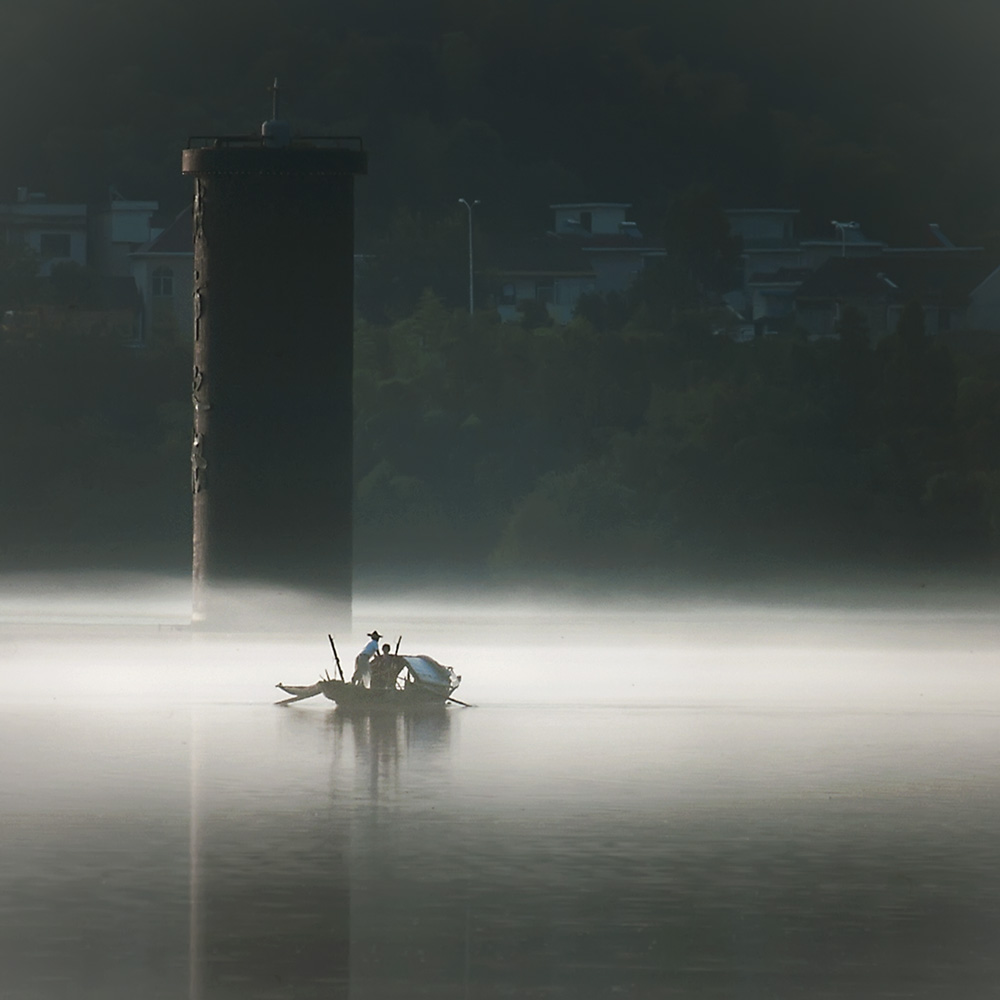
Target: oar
x: 398, y: 641
x: 337, y: 658
x: 464, y: 704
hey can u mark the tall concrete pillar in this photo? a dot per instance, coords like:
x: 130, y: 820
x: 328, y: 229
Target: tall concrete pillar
x: 273, y: 358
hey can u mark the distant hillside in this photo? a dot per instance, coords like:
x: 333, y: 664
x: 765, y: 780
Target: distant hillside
x: 879, y: 112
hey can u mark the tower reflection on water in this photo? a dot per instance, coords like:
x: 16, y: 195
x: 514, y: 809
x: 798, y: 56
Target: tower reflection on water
x: 288, y: 883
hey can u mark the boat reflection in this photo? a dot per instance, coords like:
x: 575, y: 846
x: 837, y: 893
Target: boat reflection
x: 384, y: 744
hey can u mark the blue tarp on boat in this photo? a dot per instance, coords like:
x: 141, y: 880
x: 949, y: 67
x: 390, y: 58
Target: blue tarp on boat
x: 428, y: 671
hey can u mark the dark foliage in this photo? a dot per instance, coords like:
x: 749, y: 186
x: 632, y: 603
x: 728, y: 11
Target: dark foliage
x: 638, y: 436
x: 671, y: 449
x: 94, y: 452
x: 480, y: 446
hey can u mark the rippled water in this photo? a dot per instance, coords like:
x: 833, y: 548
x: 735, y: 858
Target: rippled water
x: 652, y: 801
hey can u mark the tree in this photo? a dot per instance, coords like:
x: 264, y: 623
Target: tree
x: 18, y: 271
x: 74, y: 286
x: 533, y: 314
x: 855, y: 363
x: 418, y: 252
x: 702, y: 253
x: 911, y: 333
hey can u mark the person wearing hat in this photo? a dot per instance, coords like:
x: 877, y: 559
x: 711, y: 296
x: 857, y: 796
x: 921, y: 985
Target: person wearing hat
x: 362, y: 672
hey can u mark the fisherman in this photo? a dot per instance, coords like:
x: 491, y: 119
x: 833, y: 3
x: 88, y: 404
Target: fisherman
x: 385, y: 668
x: 362, y: 670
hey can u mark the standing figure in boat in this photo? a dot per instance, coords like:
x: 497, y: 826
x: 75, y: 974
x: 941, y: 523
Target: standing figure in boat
x: 385, y: 668
x: 362, y: 662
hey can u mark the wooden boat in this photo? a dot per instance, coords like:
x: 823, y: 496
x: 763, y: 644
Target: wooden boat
x: 397, y: 683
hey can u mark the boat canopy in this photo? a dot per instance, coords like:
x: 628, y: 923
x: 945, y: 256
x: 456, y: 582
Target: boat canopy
x: 428, y: 671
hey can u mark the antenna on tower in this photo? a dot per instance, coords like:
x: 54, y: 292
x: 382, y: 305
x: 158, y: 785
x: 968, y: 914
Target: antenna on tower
x: 273, y: 132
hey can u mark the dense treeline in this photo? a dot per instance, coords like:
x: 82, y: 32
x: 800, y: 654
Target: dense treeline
x: 673, y: 450
x: 638, y: 436
x: 94, y: 451
x: 624, y: 441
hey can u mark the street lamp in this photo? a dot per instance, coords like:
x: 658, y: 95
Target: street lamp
x: 462, y: 201
x: 843, y: 227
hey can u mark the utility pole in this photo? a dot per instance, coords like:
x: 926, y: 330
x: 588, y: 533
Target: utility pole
x: 462, y: 201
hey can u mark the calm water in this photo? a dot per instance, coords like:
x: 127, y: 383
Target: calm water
x: 652, y: 801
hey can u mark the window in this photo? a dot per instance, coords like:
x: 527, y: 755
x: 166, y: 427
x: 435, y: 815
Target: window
x: 507, y: 295
x: 162, y: 282
x: 587, y: 221
x: 55, y: 245
x: 544, y: 291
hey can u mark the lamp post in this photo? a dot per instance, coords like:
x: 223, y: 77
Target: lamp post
x: 469, y: 207
x: 843, y: 227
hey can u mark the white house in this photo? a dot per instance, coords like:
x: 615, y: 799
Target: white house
x: 591, y: 218
x: 162, y: 268
x: 117, y: 230
x: 119, y: 241
x: 776, y: 262
x: 983, y: 310
x: 54, y: 232
x: 592, y: 248
x: 957, y: 291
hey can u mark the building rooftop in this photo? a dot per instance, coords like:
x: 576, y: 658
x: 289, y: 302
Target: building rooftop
x: 592, y: 204
x: 177, y: 238
x: 948, y: 279
x: 761, y: 211
x: 548, y: 254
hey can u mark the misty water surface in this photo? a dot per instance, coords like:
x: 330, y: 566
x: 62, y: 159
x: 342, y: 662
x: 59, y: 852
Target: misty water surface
x: 652, y: 798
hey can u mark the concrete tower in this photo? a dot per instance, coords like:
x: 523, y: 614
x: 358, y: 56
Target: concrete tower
x: 271, y: 456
